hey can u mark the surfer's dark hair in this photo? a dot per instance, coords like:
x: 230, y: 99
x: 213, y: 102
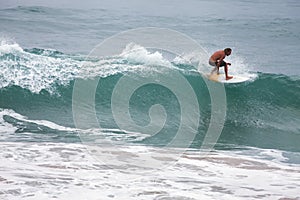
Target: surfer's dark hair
x: 227, y: 50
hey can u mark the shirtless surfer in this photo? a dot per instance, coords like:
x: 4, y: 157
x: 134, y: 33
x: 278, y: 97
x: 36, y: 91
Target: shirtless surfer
x: 217, y: 60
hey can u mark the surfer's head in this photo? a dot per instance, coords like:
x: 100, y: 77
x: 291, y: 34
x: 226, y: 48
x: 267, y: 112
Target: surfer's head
x: 227, y: 51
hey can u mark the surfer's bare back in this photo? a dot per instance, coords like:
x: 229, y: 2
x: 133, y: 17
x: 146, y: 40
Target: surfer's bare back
x: 217, y: 60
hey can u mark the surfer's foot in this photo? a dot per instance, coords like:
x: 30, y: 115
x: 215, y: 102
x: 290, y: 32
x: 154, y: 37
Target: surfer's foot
x: 229, y: 77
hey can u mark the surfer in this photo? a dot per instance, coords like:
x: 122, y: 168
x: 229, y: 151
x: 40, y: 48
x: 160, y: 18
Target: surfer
x: 217, y: 60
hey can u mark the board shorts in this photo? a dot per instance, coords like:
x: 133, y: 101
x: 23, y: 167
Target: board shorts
x: 223, y: 64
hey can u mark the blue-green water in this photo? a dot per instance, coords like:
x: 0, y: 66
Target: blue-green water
x: 44, y: 48
x: 263, y: 112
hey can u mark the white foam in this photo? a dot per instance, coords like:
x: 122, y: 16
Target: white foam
x: 36, y: 72
x: 133, y: 59
x: 199, y: 60
x: 49, y: 124
x: 74, y: 171
x: 68, y: 171
x: 33, y: 72
x: 101, y: 134
x: 193, y: 62
x: 8, y: 47
x: 5, y: 128
x: 240, y: 68
x: 137, y: 54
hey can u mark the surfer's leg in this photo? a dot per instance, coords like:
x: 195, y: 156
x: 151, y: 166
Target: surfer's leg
x: 215, y: 69
x: 226, y: 72
x: 214, y: 64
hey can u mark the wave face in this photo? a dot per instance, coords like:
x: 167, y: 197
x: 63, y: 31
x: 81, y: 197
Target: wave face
x: 36, y: 87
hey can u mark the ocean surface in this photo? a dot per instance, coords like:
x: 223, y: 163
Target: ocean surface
x: 146, y: 123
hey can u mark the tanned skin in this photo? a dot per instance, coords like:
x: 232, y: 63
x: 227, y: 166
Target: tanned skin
x: 217, y: 58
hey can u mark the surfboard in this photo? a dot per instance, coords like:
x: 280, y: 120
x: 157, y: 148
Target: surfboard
x: 221, y: 78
